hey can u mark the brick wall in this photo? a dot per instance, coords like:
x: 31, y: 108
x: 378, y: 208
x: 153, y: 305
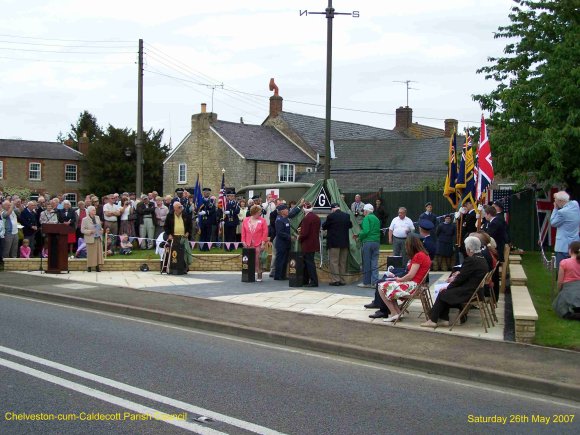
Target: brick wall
x: 52, y: 175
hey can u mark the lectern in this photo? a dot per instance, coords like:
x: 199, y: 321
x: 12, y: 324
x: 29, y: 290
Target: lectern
x: 249, y: 265
x: 57, y: 238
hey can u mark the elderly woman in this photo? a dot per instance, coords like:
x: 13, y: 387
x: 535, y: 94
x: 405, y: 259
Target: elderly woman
x: 255, y: 235
x: 462, y: 287
x: 567, y: 303
x: 417, y: 268
x: 92, y: 229
x: 49, y: 216
x: 161, y: 212
x: 241, y: 216
x: 68, y: 216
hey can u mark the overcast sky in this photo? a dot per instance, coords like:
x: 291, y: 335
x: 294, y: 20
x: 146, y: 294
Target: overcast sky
x: 58, y: 58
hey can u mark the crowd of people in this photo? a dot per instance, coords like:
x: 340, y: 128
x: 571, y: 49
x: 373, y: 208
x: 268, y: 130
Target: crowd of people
x: 427, y: 244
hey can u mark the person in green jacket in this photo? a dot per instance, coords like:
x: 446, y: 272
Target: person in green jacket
x: 370, y: 236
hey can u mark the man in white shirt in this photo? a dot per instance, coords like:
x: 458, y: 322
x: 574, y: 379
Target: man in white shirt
x: 268, y: 207
x: 400, y: 228
x: 111, y: 213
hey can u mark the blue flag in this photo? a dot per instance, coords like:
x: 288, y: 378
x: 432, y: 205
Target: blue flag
x: 197, y: 195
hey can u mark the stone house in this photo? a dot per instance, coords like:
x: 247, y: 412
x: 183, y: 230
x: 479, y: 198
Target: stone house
x: 290, y: 147
x: 43, y: 167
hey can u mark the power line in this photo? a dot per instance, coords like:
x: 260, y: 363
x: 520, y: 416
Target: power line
x: 69, y: 40
x: 64, y: 61
x: 65, y: 45
x: 66, y: 52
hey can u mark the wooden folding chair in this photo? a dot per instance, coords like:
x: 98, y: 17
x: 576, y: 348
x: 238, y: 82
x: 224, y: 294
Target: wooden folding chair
x: 421, y: 292
x: 490, y: 300
x: 478, y: 301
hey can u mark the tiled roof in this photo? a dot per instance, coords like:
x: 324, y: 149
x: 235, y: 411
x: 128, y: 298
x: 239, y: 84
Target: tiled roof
x: 420, y: 131
x: 28, y: 149
x: 312, y: 130
x: 258, y: 142
x: 392, y: 164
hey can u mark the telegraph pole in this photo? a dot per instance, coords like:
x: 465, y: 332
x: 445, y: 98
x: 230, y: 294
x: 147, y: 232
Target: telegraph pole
x: 139, y: 139
x: 329, y: 13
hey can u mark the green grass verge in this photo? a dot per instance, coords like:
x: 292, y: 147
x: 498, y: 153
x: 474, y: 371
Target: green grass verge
x: 149, y: 254
x: 551, y: 330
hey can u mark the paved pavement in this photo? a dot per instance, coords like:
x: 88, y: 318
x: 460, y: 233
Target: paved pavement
x: 324, y: 319
x: 342, y: 302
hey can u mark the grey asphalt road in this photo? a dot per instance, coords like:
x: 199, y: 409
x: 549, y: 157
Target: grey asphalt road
x: 61, y: 360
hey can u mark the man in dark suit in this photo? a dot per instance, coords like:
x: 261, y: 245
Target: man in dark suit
x: 469, y: 224
x: 282, y: 242
x: 309, y: 238
x: 337, y: 226
x: 462, y: 287
x: 496, y: 228
x: 177, y: 229
x: 28, y: 219
x: 231, y: 219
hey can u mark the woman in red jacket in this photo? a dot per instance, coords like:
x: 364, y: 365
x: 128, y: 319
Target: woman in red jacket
x: 255, y: 235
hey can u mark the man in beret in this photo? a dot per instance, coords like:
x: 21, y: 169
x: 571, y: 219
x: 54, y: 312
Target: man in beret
x: 282, y: 243
x: 206, y: 217
x: 428, y: 215
x: 231, y: 219
x: 425, y: 229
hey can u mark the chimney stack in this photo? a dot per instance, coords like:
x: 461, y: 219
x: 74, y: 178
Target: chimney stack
x: 450, y: 125
x: 84, y: 144
x: 203, y: 120
x: 404, y: 118
x: 275, y: 105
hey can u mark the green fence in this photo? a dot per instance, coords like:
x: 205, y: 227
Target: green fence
x: 523, y: 224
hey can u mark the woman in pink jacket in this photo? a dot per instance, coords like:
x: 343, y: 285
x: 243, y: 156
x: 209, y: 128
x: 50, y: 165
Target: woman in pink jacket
x: 255, y: 235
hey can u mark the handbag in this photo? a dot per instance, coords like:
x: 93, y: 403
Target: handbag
x: 263, y: 258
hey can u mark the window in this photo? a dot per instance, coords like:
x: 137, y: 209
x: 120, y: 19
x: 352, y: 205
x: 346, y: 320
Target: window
x: 70, y: 172
x: 1, y: 170
x: 285, y: 172
x: 182, y: 176
x: 34, y: 171
x: 72, y: 197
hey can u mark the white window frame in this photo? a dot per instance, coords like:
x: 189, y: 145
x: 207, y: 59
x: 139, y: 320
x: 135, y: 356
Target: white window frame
x: 180, y: 179
x: 309, y: 169
x: 286, y: 172
x: 39, y: 171
x: 76, y: 171
x: 72, y: 197
x: 1, y: 169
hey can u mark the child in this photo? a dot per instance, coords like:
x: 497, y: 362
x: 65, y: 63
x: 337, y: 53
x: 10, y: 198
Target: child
x: 126, y: 245
x: 25, y: 249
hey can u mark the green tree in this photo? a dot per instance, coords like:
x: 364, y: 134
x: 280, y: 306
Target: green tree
x: 535, y: 109
x: 86, y: 122
x: 111, y: 170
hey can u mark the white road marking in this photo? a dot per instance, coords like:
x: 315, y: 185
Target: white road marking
x: 345, y: 360
x: 143, y: 393
x: 124, y: 403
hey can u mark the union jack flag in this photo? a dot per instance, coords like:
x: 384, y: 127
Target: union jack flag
x: 222, y: 195
x: 484, y: 162
x: 544, y: 209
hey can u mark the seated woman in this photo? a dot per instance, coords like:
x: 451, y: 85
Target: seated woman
x: 459, y: 291
x: 417, y: 268
x: 567, y: 303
